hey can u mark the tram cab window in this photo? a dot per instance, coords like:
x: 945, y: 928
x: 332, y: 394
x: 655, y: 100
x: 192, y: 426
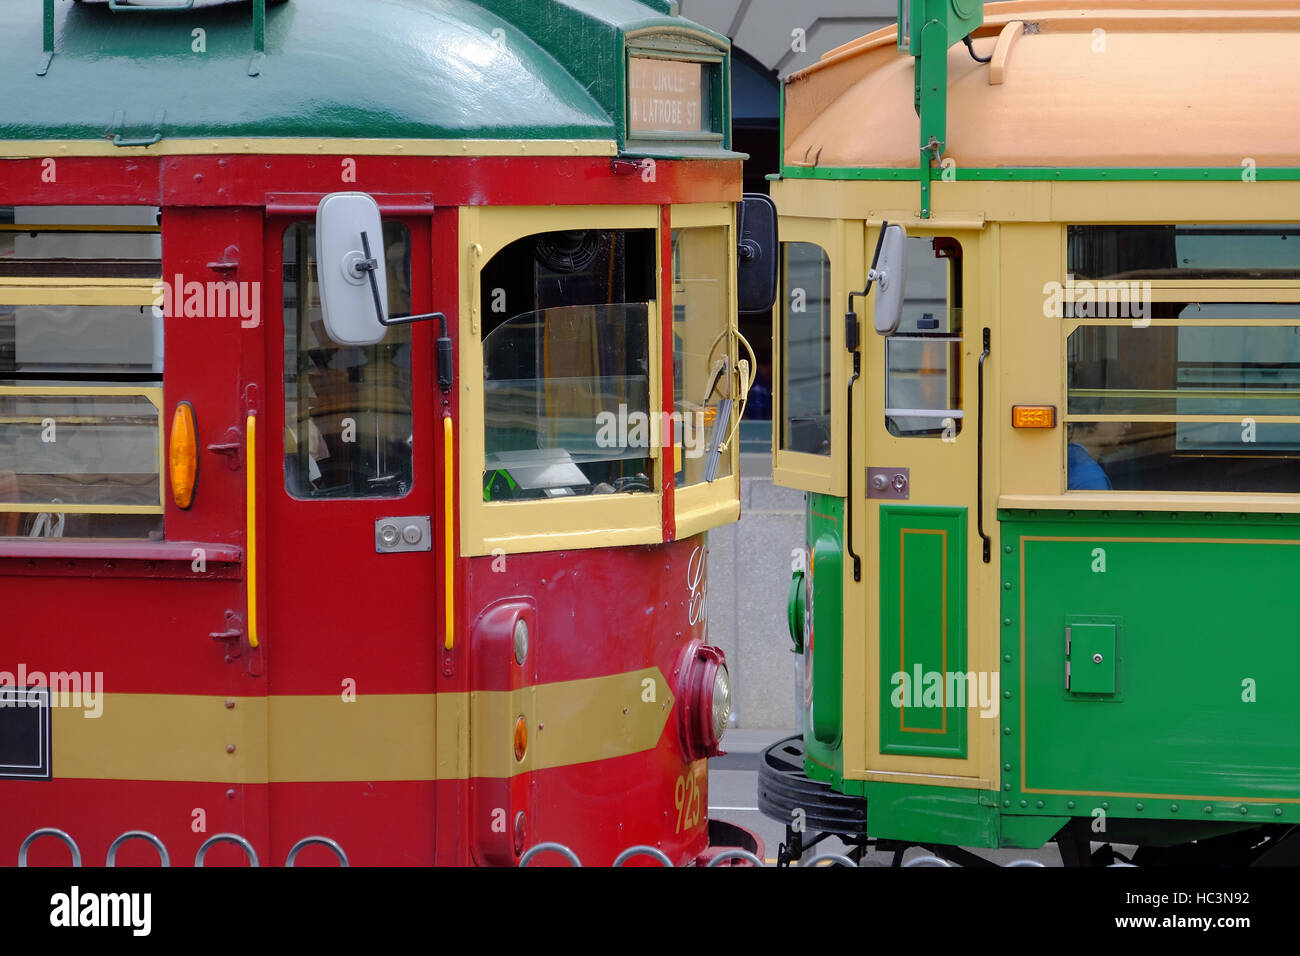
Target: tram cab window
x: 923, y: 358
x: 805, y: 348
x: 566, y: 365
x: 80, y: 379
x: 348, y: 429
x: 1236, y: 377
x: 702, y: 354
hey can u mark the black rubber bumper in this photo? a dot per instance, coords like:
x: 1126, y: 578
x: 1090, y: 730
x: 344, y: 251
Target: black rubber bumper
x: 783, y: 789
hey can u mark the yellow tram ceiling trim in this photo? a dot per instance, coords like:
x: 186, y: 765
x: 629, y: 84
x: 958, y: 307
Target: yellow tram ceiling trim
x: 127, y: 293
x: 1072, y: 203
x: 278, y: 739
x: 154, y: 395
x: 968, y: 221
x: 42, y: 149
x: 1221, y: 503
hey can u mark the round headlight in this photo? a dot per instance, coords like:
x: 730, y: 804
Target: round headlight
x: 721, y: 701
x: 704, y: 689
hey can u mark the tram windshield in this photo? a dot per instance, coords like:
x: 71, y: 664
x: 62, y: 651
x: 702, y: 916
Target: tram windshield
x: 566, y: 402
x: 566, y: 365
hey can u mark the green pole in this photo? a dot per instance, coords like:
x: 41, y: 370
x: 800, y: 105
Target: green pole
x: 259, y: 26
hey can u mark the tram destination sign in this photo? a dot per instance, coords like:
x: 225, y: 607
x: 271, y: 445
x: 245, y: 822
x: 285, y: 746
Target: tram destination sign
x: 665, y: 96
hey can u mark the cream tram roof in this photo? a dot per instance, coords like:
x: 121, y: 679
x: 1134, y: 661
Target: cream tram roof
x: 1165, y: 83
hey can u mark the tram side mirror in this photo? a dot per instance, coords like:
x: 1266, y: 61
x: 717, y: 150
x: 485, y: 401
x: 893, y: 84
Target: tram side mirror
x: 757, y: 254
x: 889, y: 276
x: 350, y: 268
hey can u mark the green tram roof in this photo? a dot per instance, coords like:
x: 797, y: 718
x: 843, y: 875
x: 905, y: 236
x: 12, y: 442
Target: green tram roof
x: 352, y: 69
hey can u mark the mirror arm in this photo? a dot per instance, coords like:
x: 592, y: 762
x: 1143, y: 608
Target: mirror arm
x: 852, y: 333
x: 446, y: 362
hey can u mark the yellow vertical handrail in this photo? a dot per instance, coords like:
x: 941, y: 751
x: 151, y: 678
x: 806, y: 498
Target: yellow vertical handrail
x: 250, y: 426
x: 448, y: 512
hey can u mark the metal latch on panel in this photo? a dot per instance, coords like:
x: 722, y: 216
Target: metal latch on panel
x: 396, y: 535
x: 895, y: 483
x: 1090, y: 652
x: 120, y: 138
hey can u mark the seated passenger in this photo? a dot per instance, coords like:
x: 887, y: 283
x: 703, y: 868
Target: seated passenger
x: 1087, y: 442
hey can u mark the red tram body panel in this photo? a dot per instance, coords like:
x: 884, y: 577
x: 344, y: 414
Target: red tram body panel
x: 266, y: 663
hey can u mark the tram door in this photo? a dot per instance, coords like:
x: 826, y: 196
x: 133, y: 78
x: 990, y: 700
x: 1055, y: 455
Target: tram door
x: 920, y: 520
x: 350, y: 555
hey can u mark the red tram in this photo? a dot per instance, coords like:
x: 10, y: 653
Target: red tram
x: 273, y: 596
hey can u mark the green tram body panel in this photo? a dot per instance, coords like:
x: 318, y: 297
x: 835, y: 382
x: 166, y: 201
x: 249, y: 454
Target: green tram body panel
x: 1188, y: 727
x: 824, y: 623
x: 1195, y: 714
x: 923, y: 630
x: 378, y: 69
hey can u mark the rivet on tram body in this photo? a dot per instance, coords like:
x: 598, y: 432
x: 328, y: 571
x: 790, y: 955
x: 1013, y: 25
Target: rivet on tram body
x: 1277, y: 811
x: 1209, y: 809
x: 1069, y: 805
x: 230, y: 748
x: 1006, y: 803
x: 1006, y: 767
x: 1140, y: 807
x: 1041, y: 804
x: 1173, y: 808
x: 1006, y: 694
x: 1006, y: 622
x: 1006, y: 730
x: 1006, y: 585
x: 1024, y: 803
x: 230, y: 704
x: 625, y: 711
x: 1006, y: 786
x: 1007, y: 658
x: 1105, y: 805
x: 230, y: 794
x: 1006, y: 549
x: 1244, y: 811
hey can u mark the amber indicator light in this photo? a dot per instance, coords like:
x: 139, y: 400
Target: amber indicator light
x: 183, y: 455
x: 1033, y: 416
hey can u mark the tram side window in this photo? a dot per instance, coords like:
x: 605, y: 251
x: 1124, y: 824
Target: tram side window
x: 923, y: 358
x: 1213, y: 406
x: 348, y: 430
x: 1217, y: 251
x: 805, y: 348
x: 80, y: 384
x: 566, y: 365
x: 702, y: 353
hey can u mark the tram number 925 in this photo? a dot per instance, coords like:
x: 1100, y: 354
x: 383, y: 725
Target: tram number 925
x: 689, y: 798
